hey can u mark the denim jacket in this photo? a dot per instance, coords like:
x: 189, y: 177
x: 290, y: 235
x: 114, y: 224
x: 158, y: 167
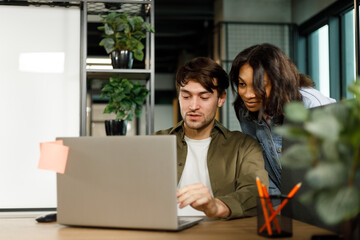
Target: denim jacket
x: 271, y: 142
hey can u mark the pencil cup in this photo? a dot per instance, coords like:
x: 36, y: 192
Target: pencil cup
x: 274, y: 217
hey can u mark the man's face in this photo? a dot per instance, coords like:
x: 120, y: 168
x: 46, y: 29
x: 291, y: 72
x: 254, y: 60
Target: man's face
x: 198, y: 106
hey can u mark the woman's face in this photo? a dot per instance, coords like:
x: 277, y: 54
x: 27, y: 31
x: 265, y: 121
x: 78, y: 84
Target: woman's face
x: 246, y: 89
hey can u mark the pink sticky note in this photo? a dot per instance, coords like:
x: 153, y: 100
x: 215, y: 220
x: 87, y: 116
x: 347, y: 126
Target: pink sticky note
x: 53, y: 156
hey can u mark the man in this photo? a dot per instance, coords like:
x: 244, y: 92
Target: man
x: 217, y: 168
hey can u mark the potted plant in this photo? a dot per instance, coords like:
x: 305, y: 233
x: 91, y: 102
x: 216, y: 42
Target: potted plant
x: 328, y: 146
x: 122, y: 38
x: 126, y: 100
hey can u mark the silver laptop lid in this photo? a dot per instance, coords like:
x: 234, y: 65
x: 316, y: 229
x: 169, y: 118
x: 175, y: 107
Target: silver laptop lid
x: 118, y: 181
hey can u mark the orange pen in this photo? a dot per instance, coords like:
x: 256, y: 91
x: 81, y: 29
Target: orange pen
x: 266, y: 194
x: 266, y: 216
x: 282, y: 205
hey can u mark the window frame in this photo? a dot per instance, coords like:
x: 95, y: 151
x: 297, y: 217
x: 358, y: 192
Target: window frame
x: 333, y: 16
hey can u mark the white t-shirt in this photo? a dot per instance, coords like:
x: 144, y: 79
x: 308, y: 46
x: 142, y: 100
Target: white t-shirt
x: 195, y: 170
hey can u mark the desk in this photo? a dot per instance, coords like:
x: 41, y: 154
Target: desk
x: 239, y: 229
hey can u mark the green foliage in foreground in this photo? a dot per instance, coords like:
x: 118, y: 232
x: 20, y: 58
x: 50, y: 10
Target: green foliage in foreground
x: 328, y: 145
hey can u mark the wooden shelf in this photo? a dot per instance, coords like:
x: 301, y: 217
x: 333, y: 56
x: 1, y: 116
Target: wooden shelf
x: 92, y: 76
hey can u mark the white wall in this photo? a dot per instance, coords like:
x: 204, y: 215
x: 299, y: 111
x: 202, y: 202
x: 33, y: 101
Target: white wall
x: 39, y: 100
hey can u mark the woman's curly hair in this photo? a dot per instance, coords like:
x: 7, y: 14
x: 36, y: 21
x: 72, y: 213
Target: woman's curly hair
x: 282, y: 72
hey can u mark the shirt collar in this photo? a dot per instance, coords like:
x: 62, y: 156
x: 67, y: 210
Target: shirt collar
x: 218, y: 128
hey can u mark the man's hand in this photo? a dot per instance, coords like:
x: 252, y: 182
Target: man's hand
x: 198, y: 196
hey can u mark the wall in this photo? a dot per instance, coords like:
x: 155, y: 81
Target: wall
x: 254, y: 10
x: 302, y: 10
x: 40, y: 80
x: 286, y: 11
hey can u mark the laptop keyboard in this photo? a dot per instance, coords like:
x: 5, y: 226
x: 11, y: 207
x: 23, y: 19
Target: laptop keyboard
x: 185, y: 222
x: 182, y: 221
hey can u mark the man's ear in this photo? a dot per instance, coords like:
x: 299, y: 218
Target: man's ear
x: 222, y: 99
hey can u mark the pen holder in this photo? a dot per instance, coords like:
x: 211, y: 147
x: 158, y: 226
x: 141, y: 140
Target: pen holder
x: 274, y: 217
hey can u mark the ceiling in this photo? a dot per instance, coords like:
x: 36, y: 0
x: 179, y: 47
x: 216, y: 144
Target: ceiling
x: 183, y: 29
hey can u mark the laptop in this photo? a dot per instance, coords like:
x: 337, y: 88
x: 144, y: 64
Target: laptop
x: 120, y: 182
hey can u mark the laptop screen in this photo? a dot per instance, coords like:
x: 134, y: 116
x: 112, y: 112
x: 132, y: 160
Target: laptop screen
x: 119, y: 181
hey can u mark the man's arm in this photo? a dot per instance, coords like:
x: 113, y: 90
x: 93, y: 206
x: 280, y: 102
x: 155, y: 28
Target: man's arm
x: 249, y: 165
x: 198, y: 196
x: 234, y: 175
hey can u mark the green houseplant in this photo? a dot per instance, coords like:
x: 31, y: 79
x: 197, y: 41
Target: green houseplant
x: 328, y: 145
x: 124, y: 32
x: 126, y: 98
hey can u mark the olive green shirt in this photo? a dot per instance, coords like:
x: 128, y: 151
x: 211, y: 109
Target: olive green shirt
x: 234, y: 161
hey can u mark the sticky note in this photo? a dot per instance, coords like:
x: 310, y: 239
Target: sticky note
x: 53, y: 156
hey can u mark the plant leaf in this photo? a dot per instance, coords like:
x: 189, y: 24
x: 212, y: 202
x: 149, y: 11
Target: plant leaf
x: 138, y: 55
x: 138, y: 111
x: 119, y: 97
x: 108, y: 44
x: 120, y: 27
x: 323, y: 125
x: 296, y: 112
x: 292, y: 132
x: 330, y: 150
x: 125, y: 97
x: 139, y: 100
x: 339, y: 111
x: 107, y: 88
x: 326, y: 175
x: 126, y: 105
x: 308, y: 197
x: 338, y: 205
x: 147, y: 27
x: 355, y: 88
x: 120, y: 114
x: 126, y: 32
x: 297, y: 156
x: 109, y: 108
x: 130, y: 116
x: 108, y: 29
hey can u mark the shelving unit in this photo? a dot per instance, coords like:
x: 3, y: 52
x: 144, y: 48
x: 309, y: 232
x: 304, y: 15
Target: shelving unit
x: 92, y: 8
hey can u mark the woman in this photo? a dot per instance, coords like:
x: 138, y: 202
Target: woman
x: 265, y: 80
